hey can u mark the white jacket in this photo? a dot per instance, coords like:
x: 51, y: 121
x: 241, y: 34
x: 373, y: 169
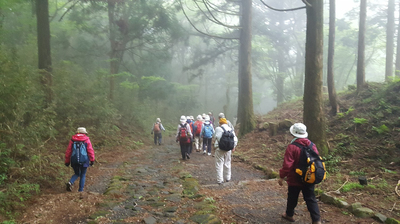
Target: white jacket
x: 219, y: 132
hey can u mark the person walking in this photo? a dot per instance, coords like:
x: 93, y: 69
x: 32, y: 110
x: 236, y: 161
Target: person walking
x: 212, y: 119
x: 207, y: 132
x: 222, y: 115
x: 190, y: 122
x: 157, y: 128
x: 197, y: 126
x: 183, y: 135
x: 222, y: 157
x: 290, y: 163
x: 80, y: 155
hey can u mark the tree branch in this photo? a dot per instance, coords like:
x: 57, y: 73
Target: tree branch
x: 68, y: 10
x: 282, y: 10
x: 183, y: 10
x: 307, y: 4
x: 215, y: 8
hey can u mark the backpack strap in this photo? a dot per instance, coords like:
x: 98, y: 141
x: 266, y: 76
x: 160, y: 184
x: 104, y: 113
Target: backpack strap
x: 310, y: 146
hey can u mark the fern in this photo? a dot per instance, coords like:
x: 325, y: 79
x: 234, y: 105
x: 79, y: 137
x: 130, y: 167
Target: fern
x: 381, y: 130
x: 360, y: 120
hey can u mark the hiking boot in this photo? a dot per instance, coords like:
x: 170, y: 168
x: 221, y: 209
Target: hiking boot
x: 69, y: 186
x: 227, y: 180
x: 204, y: 152
x: 209, y: 154
x: 187, y: 156
x: 318, y: 222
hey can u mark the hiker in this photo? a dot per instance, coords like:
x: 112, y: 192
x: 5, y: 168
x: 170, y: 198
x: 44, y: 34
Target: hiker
x: 290, y: 163
x: 70, y: 158
x: 207, y: 132
x: 190, y: 122
x: 212, y: 119
x: 198, y: 142
x: 222, y: 157
x: 183, y: 136
x: 222, y: 115
x: 157, y: 128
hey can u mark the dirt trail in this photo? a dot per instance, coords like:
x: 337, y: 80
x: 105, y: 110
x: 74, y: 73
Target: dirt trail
x: 146, y: 185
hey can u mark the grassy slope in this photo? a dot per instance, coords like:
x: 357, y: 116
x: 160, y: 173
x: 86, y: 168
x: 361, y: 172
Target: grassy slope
x: 364, y: 140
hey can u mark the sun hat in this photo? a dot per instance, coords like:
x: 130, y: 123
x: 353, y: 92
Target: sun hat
x: 221, y: 115
x: 187, y: 117
x: 158, y: 120
x: 299, y: 130
x: 81, y: 130
x: 210, y: 113
x: 223, y: 121
x: 199, y: 117
x: 207, y: 119
x: 183, y: 119
x: 191, y: 117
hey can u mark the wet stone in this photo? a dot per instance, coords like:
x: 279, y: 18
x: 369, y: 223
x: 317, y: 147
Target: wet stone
x: 174, y: 198
x: 205, y: 219
x: 171, y: 209
x: 150, y: 220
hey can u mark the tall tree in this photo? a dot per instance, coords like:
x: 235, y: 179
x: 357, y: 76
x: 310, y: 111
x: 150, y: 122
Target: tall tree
x: 331, y: 54
x: 314, y: 117
x: 245, y: 111
x: 389, y: 40
x: 245, y: 104
x: 361, y: 46
x: 44, y: 50
x: 398, y: 49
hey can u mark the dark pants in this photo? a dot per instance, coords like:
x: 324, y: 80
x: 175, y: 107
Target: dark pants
x: 157, y: 138
x: 184, y: 150
x: 190, y: 147
x: 309, y: 198
x: 79, y: 171
x: 207, y: 142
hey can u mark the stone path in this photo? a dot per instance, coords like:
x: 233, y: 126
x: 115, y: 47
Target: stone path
x: 155, y: 186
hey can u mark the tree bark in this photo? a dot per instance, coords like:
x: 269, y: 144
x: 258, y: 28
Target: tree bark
x: 314, y: 117
x: 389, y: 41
x: 44, y: 49
x: 331, y: 54
x: 245, y: 105
x: 361, y: 46
x: 398, y: 49
x: 280, y: 80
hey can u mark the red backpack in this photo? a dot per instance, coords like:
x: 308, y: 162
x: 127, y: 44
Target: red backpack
x: 157, y: 128
x: 183, y: 135
x: 197, y: 126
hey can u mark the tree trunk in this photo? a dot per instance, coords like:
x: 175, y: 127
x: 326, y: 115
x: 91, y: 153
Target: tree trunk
x: 280, y: 78
x: 389, y: 41
x: 331, y: 54
x: 361, y: 46
x: 44, y: 49
x: 114, y: 45
x: 398, y: 50
x: 245, y: 104
x: 314, y: 117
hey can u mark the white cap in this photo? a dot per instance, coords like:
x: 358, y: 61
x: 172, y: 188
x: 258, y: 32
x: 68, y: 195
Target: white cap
x: 81, y: 130
x: 299, y: 130
x: 221, y: 115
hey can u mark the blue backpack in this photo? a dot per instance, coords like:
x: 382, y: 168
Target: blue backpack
x: 208, y: 131
x: 79, y: 153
